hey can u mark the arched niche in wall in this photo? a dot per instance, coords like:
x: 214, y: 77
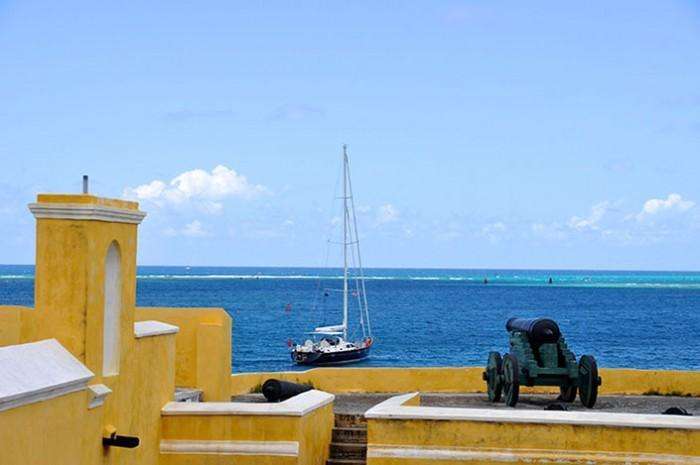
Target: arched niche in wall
x: 112, y: 311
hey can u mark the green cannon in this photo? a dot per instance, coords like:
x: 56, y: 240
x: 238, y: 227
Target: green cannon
x: 539, y: 356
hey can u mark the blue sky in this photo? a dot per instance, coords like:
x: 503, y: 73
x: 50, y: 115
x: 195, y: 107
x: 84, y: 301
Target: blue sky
x: 481, y: 134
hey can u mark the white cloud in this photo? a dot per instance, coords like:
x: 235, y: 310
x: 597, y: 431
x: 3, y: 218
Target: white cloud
x: 205, y: 189
x: 493, y: 231
x: 591, y: 222
x: 493, y: 228
x: 674, y: 203
x: 192, y: 229
x: 387, y: 213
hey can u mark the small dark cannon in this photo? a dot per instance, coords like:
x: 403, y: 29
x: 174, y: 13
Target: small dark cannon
x: 539, y: 356
x: 275, y: 390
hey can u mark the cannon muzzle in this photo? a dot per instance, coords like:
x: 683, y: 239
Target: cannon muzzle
x: 539, y: 330
x: 275, y: 390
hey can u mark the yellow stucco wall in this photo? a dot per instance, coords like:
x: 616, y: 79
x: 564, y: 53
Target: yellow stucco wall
x: 69, y: 285
x: 57, y: 432
x: 314, y: 435
x: 10, y: 325
x: 415, y: 435
x: 63, y: 430
x: 461, y: 379
x: 69, y: 299
x: 84, y: 199
x: 312, y: 432
x: 139, y: 392
x: 533, y: 436
x: 203, y: 347
x: 532, y: 443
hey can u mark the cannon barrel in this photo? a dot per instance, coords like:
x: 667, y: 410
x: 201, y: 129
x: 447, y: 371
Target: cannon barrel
x: 275, y: 390
x: 539, y: 330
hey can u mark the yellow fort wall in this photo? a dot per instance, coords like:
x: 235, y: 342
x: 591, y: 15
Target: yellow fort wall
x: 70, y: 301
x: 70, y: 275
x: 403, y: 433
x: 461, y: 379
x: 215, y: 434
x: 203, y: 347
x: 147, y: 383
x: 517, y: 443
x: 10, y: 324
x: 63, y: 430
x: 314, y: 433
x: 59, y: 431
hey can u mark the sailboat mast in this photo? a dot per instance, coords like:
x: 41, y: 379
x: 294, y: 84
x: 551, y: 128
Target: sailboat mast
x: 345, y: 243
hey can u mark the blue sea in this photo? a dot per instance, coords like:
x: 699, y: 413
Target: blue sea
x: 432, y: 317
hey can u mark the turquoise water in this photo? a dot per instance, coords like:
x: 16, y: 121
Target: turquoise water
x: 428, y: 317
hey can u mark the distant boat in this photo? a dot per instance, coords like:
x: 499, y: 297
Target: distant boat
x: 330, y: 344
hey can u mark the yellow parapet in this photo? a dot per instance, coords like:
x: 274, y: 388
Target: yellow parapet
x: 85, y: 276
x: 399, y: 432
x: 10, y: 324
x: 463, y: 379
x: 203, y: 347
x: 296, y: 431
x: 54, y: 409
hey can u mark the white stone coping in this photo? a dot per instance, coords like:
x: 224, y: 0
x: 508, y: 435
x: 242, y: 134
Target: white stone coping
x: 86, y: 211
x: 38, y: 371
x: 150, y: 328
x: 411, y: 454
x: 207, y: 447
x: 393, y: 409
x: 297, y: 406
x: 98, y: 393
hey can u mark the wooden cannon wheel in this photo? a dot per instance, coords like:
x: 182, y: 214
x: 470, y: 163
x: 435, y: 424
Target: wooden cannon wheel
x: 493, y: 378
x: 511, y: 380
x: 588, y: 380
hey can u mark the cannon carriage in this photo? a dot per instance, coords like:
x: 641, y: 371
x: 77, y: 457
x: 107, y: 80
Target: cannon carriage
x: 539, y: 356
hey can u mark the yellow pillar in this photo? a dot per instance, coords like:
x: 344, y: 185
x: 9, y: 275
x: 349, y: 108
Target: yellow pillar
x: 85, y: 286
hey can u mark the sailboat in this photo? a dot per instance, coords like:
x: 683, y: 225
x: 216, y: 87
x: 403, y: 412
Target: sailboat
x: 331, y: 344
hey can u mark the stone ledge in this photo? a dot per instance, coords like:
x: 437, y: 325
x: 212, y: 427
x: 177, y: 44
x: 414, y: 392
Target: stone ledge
x: 503, y: 455
x: 151, y: 328
x: 78, y: 211
x: 39, y: 371
x: 394, y: 409
x: 213, y: 447
x: 297, y: 406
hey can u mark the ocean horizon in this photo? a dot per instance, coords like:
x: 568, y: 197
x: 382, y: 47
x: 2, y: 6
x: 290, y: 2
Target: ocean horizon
x: 431, y: 316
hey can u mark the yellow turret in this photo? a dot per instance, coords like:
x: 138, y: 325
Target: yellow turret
x: 86, y: 276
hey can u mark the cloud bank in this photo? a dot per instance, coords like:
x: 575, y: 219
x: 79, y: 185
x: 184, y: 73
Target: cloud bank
x: 205, y: 189
x: 674, y: 203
